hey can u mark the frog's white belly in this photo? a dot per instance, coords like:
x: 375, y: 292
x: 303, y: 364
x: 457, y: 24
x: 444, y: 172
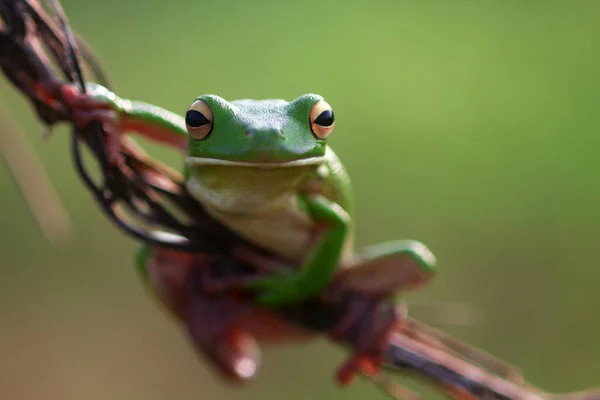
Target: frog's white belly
x: 282, y: 231
x: 270, y: 219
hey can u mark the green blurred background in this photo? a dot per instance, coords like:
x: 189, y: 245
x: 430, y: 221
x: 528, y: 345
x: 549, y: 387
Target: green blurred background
x: 469, y: 125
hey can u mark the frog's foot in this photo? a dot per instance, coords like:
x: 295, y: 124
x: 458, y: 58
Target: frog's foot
x: 390, y: 268
x: 368, y: 327
x: 377, y: 273
x: 210, y: 324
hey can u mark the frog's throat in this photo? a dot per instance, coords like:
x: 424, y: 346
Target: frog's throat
x: 202, y: 161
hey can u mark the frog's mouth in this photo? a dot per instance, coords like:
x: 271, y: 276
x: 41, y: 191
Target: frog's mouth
x: 202, y: 161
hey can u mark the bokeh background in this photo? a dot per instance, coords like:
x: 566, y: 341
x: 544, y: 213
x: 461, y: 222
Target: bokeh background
x: 470, y: 125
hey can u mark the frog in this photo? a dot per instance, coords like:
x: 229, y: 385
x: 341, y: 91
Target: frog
x: 265, y: 170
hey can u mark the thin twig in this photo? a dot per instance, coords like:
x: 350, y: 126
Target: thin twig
x: 36, y: 187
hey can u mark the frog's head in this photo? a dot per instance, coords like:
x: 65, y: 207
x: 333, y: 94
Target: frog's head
x: 258, y: 133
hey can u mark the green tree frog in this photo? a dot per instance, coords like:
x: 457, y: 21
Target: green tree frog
x: 263, y: 168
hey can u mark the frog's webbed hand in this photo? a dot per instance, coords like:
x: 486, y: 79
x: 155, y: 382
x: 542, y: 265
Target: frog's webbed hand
x: 320, y: 265
x: 119, y: 116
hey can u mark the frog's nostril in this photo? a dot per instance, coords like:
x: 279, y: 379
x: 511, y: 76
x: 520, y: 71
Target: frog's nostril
x: 264, y: 135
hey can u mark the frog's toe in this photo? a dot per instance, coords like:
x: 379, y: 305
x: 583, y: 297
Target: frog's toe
x: 391, y: 267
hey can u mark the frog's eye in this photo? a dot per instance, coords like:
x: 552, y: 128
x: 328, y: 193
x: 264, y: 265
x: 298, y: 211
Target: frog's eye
x: 321, y: 119
x: 199, y: 120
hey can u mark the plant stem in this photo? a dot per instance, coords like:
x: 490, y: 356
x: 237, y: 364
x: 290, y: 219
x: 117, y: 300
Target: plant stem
x: 28, y: 172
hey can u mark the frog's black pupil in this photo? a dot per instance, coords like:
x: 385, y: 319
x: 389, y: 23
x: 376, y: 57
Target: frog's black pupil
x: 195, y: 119
x: 325, y: 118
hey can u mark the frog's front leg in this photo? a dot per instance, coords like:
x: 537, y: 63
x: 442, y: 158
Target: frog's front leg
x: 321, y: 263
x: 119, y: 116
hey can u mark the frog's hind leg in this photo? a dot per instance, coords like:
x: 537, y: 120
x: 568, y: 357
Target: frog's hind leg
x: 375, y: 274
x: 380, y: 271
x: 400, y: 266
x: 390, y: 268
x: 206, y: 304
x: 210, y: 323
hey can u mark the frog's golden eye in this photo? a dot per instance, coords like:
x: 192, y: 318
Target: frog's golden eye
x: 199, y: 120
x: 321, y: 119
